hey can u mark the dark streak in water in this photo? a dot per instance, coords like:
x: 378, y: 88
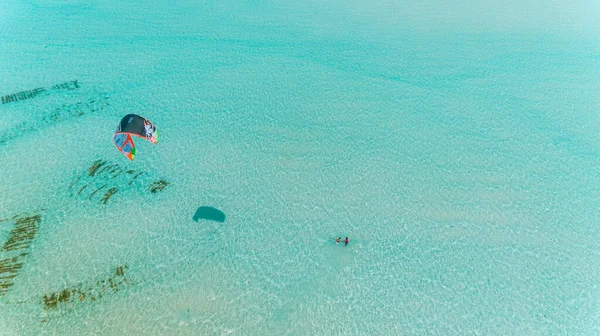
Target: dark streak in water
x: 134, y: 177
x: 72, y: 184
x: 119, y: 173
x: 105, y: 168
x: 97, y: 164
x: 107, y: 196
x: 95, y: 191
x: 82, y: 188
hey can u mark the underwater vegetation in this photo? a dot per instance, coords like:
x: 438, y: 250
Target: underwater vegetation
x: 88, y: 292
x: 15, y: 248
x: 103, y: 179
x: 69, y: 111
x: 60, y: 114
x: 22, y: 95
x: 108, y: 194
x: 28, y: 94
x: 210, y: 213
x: 158, y: 186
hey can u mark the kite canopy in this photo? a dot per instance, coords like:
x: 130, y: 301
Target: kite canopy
x: 133, y: 124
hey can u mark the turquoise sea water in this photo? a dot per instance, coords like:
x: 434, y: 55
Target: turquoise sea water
x: 455, y: 144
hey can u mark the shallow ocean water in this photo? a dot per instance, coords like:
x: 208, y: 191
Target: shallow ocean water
x: 457, y: 148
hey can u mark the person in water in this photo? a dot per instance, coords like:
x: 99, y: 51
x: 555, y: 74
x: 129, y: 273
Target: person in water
x: 346, y: 241
x: 337, y: 241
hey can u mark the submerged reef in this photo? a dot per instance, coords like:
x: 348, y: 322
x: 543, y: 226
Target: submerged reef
x: 88, y: 292
x: 103, y: 179
x: 15, y: 248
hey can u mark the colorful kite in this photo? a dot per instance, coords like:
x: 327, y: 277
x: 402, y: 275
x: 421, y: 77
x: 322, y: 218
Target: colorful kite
x: 133, y: 124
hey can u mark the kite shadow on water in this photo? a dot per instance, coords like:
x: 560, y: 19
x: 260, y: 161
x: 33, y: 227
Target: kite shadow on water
x: 210, y: 213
